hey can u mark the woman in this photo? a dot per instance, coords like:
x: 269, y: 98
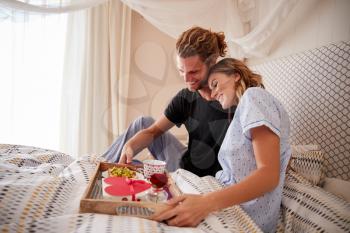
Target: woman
x: 254, y: 154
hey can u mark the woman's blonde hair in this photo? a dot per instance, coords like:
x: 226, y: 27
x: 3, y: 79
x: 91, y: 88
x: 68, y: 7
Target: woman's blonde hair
x: 204, y: 43
x: 231, y: 66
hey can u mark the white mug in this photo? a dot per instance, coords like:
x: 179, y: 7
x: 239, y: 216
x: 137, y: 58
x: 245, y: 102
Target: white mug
x: 153, y: 166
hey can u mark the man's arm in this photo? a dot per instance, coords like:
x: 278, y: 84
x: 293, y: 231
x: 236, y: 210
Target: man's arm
x: 143, y: 138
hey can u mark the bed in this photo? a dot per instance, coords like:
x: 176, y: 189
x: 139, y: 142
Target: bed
x: 40, y: 191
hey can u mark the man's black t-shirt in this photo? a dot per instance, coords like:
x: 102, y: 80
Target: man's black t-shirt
x: 206, y: 123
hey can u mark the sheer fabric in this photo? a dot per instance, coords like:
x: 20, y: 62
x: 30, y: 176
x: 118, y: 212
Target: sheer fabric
x: 249, y: 25
x: 31, y: 58
x: 95, y: 78
x: 12, y: 8
x: 95, y: 72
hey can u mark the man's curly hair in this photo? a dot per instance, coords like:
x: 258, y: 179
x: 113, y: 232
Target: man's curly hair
x: 206, y: 44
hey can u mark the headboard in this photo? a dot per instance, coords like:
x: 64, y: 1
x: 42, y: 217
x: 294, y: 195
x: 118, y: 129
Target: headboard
x: 314, y: 86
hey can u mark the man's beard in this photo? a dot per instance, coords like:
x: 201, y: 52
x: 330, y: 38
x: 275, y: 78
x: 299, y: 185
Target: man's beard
x: 202, y: 84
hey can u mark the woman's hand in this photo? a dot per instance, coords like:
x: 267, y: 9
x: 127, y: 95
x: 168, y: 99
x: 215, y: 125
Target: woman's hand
x: 189, y: 210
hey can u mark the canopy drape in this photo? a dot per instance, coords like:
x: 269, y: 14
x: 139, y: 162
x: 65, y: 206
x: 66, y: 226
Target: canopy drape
x: 249, y: 25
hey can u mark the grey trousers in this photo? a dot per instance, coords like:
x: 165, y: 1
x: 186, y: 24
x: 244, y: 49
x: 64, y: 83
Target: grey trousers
x: 166, y: 147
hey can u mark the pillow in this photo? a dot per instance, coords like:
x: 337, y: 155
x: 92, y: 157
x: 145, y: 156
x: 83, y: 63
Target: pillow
x: 338, y: 187
x: 307, y: 161
x: 308, y: 208
x: 295, y: 177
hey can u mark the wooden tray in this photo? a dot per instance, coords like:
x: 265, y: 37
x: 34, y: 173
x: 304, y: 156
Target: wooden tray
x: 94, y: 202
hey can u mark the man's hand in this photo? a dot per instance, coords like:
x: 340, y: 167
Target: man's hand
x: 126, y: 155
x: 189, y: 210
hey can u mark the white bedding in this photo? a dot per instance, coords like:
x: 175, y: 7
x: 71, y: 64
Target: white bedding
x: 40, y: 191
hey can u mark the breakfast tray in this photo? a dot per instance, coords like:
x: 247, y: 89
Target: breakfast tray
x: 94, y: 202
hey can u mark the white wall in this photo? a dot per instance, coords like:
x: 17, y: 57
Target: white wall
x: 154, y: 78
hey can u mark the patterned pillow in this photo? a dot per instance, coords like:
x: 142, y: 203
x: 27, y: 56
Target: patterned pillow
x: 307, y: 161
x: 309, y: 208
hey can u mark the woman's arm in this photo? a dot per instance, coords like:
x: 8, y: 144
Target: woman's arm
x: 191, y: 209
x: 143, y: 138
x: 264, y: 179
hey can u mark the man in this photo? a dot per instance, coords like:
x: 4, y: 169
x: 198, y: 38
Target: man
x: 204, y: 119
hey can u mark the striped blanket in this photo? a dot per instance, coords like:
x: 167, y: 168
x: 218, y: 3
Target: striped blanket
x: 40, y: 191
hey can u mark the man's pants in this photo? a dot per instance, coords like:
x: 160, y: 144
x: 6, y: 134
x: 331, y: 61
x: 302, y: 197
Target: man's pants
x: 166, y: 147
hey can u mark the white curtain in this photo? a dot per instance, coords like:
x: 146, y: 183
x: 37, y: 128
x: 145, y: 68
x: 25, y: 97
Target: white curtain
x: 249, y: 30
x: 95, y: 74
x: 250, y: 26
x: 14, y: 8
x: 31, y: 58
x: 95, y: 78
